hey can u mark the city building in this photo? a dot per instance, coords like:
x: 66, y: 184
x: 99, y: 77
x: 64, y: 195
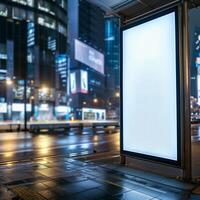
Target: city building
x: 33, y: 60
x: 194, y: 29
x: 195, y: 64
x: 112, y: 63
x: 87, y: 63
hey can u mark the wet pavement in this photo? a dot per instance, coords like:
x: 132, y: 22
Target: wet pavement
x: 17, y: 146
x: 62, y: 178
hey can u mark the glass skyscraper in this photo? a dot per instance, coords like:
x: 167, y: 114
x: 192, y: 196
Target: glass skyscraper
x: 87, y: 64
x: 112, y: 63
x: 33, y: 60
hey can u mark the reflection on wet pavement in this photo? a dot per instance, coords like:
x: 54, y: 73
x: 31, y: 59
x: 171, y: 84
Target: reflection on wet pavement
x: 46, y: 169
x: 66, y: 178
x: 22, y: 146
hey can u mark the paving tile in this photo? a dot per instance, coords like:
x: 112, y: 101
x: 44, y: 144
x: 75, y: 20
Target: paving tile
x: 113, y: 189
x: 51, y: 172
x: 6, y: 194
x: 74, y: 178
x: 94, y: 194
x: 51, y: 183
x: 134, y: 195
x: 194, y: 197
x: 48, y: 194
x: 174, y: 196
x: 37, y: 186
x: 80, y: 186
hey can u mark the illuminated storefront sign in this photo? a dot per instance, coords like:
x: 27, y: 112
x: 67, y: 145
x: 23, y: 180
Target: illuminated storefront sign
x: 89, y: 56
x: 93, y: 114
x: 62, y: 109
x: 3, y: 56
x: 44, y: 107
x: 31, y: 34
x: 3, y: 107
x: 197, y: 62
x: 61, y: 67
x: 150, y: 123
x: 84, y: 81
x: 19, y: 107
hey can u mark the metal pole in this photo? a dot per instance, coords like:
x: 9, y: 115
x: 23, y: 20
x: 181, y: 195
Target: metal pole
x: 25, y: 92
x: 187, y: 171
x: 25, y: 107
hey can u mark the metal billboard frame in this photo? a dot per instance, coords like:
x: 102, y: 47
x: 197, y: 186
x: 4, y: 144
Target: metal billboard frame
x: 138, y: 21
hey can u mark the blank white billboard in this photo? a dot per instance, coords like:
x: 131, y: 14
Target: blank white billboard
x: 150, y: 88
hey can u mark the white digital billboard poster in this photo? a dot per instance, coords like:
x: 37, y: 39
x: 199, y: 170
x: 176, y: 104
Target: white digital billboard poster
x: 73, y: 82
x: 84, y: 81
x: 149, y: 87
x: 3, y: 107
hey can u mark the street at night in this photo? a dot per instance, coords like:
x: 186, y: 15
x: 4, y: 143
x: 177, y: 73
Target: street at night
x: 99, y: 100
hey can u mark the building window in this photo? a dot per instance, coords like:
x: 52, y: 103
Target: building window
x: 62, y: 29
x: 3, y: 10
x: 47, y: 22
x: 19, y: 14
x: 45, y: 6
x: 25, y: 2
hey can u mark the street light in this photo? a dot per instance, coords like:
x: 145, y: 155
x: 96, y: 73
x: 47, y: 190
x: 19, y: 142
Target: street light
x: 117, y: 94
x: 44, y: 90
x: 9, y: 81
x: 95, y: 100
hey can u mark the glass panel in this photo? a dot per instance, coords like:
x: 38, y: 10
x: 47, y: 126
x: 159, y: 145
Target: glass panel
x: 194, y: 30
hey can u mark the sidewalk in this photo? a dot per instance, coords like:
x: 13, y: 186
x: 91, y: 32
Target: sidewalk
x: 85, y: 179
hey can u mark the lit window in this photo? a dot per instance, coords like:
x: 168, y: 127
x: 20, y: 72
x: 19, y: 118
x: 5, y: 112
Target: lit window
x: 25, y: 2
x: 3, y: 10
x: 19, y: 13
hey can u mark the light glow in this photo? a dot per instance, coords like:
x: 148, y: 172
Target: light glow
x: 149, y: 88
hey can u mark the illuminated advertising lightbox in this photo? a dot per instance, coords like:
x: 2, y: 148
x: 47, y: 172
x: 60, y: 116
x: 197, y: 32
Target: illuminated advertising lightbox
x: 84, y: 81
x: 31, y: 34
x: 3, y: 107
x: 73, y: 82
x: 62, y: 109
x: 150, y: 87
x: 89, y: 56
x: 93, y: 114
x: 19, y: 107
x: 44, y: 107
